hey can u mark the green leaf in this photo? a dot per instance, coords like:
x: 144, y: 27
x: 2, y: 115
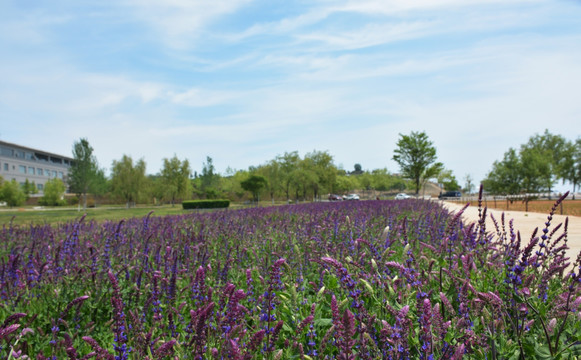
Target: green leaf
x: 542, y: 352
x: 323, y: 322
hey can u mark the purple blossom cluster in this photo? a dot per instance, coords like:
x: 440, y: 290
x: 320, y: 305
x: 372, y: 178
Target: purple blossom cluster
x: 353, y: 280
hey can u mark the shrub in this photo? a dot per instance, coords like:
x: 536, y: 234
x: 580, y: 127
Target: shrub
x: 54, y: 191
x: 205, y: 204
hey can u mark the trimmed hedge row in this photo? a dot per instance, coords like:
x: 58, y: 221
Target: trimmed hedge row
x: 205, y: 204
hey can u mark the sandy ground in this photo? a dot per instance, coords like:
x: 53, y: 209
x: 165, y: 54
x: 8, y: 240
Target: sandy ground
x: 526, y: 224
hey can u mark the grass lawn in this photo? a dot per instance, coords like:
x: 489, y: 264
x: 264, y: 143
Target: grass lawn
x: 55, y: 215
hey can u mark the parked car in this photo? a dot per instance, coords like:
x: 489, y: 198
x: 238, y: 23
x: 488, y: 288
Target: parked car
x: 334, y: 197
x: 351, y: 197
x: 402, y: 196
x: 450, y: 195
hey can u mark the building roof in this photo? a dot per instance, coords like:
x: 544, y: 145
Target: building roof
x: 35, y: 150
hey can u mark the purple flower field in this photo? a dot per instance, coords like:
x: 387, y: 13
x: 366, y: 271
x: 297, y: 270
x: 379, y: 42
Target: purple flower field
x: 352, y: 280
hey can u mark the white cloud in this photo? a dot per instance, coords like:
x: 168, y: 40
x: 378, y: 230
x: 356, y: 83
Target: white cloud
x: 200, y: 98
x: 182, y: 22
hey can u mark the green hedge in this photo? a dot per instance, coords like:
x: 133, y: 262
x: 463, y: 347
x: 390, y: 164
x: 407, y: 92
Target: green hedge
x: 205, y: 204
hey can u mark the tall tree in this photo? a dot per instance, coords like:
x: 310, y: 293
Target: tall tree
x: 321, y: 164
x: 271, y: 171
x: 83, y: 169
x: 29, y: 188
x: 99, y: 185
x: 416, y: 157
x: 552, y: 150
x: 533, y: 169
x: 176, y: 178
x: 128, y: 180
x: 571, y: 170
x: 289, y: 163
x: 254, y: 184
x: 209, y: 179
x: 506, y: 175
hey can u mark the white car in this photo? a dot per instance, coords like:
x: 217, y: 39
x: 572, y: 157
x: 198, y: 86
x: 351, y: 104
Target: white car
x: 402, y: 196
x: 351, y: 197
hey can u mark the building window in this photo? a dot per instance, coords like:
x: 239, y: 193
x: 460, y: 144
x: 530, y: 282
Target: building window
x: 47, y: 172
x: 22, y: 169
x: 39, y: 172
x: 40, y: 187
x: 5, y: 167
x: 31, y: 170
x: 54, y: 173
x: 6, y: 151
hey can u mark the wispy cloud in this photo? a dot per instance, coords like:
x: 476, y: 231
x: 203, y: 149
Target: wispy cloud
x: 181, y: 23
x: 243, y: 80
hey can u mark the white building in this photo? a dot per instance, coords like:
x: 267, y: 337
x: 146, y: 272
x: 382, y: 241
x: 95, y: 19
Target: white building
x: 20, y: 163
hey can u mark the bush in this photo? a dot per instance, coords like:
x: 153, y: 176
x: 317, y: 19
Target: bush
x: 11, y: 192
x: 205, y: 204
x: 54, y: 191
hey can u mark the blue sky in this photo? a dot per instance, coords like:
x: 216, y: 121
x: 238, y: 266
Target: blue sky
x: 243, y: 81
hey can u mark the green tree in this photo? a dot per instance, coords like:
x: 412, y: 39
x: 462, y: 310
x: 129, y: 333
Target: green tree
x: 271, y: 171
x: 447, y: 179
x: 230, y: 184
x: 83, y: 171
x: 357, y: 170
x: 506, y: 175
x: 552, y: 150
x: 304, y: 178
x: 128, y: 180
x: 289, y: 164
x: 175, y: 176
x: 29, y: 188
x: 54, y: 192
x: 209, y: 179
x: 11, y: 192
x: 533, y: 169
x: 320, y: 163
x: 344, y: 184
x: 100, y: 185
x: 571, y: 169
x: 416, y: 157
x: 254, y: 184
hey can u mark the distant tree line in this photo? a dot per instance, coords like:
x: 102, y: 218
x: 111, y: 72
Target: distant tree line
x: 536, y: 167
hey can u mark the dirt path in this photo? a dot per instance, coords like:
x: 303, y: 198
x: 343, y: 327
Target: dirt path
x: 526, y: 224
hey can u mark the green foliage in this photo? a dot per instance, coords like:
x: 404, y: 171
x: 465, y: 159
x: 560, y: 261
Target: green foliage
x: 84, y: 170
x: 550, y: 150
x: 505, y: 176
x: 571, y: 165
x: 11, y: 192
x: 175, y: 179
x: 29, y: 188
x: 205, y: 204
x: 536, y: 166
x: 128, y: 180
x: 254, y: 184
x: 416, y: 157
x: 448, y: 180
x: 54, y: 191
